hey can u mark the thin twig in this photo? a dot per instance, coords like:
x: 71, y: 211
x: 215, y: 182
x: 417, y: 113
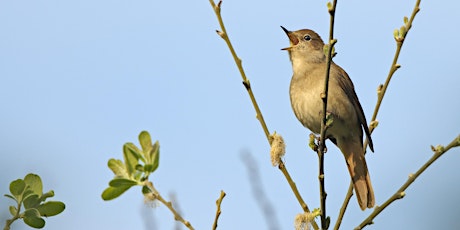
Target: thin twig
x: 438, y: 152
x: 14, y: 218
x: 293, y: 186
x: 224, y: 35
x: 168, y: 204
x: 394, y: 66
x: 324, y: 96
x: 246, y: 83
x: 343, y: 209
x: 380, y: 94
x: 218, y: 203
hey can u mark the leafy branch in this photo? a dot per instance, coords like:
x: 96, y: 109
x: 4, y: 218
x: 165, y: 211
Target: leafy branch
x: 28, y: 193
x: 131, y: 173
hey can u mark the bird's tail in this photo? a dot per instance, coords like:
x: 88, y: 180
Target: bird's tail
x: 356, y: 163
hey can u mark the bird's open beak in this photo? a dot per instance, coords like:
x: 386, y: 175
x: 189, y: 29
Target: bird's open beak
x: 292, y: 39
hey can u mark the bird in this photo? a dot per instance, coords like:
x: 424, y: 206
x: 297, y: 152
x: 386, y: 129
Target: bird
x: 348, y: 121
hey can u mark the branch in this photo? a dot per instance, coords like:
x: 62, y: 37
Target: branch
x: 399, y: 36
x: 218, y: 203
x: 302, y: 203
x: 324, y: 220
x: 438, y: 152
x: 156, y: 195
x: 224, y: 35
x: 343, y: 209
x: 14, y: 218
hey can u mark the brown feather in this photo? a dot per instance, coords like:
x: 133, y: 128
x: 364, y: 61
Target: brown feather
x: 347, y: 86
x: 357, y: 167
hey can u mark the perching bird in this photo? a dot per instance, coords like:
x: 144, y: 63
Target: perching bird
x: 307, y: 84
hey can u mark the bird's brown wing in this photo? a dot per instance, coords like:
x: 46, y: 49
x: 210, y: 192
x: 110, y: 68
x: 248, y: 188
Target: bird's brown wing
x: 347, y: 86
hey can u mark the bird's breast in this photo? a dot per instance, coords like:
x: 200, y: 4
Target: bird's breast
x: 305, y: 94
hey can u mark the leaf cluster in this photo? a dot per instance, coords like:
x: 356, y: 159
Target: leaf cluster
x: 28, y: 193
x: 138, y: 164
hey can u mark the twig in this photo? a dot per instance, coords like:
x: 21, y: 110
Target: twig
x: 438, y: 152
x: 302, y: 203
x: 218, y: 203
x: 394, y: 66
x: 247, y: 85
x: 324, y: 96
x: 224, y: 35
x: 157, y: 196
x: 343, y: 209
x: 14, y: 218
x: 400, y: 37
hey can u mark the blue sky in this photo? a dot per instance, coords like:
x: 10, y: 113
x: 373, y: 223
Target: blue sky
x: 79, y: 79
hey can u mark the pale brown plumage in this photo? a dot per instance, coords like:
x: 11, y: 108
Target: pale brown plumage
x: 307, y: 83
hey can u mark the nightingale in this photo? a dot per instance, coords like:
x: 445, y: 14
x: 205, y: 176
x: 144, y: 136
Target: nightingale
x: 346, y: 132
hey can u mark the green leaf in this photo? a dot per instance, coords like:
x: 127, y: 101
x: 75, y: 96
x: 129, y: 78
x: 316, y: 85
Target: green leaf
x: 329, y: 120
x: 154, y: 154
x: 33, y: 219
x: 149, y: 168
x: 17, y: 188
x: 46, y: 195
x: 145, y: 190
x: 121, y: 182
x: 135, y: 151
x: 118, y: 168
x: 140, y: 168
x: 13, y: 210
x: 51, y: 208
x: 27, y: 193
x: 111, y: 193
x: 35, y: 183
x: 130, y: 160
x: 31, y: 201
x: 10, y: 196
x: 145, y: 141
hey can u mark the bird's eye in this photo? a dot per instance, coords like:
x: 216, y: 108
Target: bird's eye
x: 307, y: 37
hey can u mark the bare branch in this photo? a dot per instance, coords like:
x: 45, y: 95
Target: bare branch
x: 218, y: 211
x: 381, y: 90
x: 438, y: 152
x: 321, y: 148
x: 156, y: 195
